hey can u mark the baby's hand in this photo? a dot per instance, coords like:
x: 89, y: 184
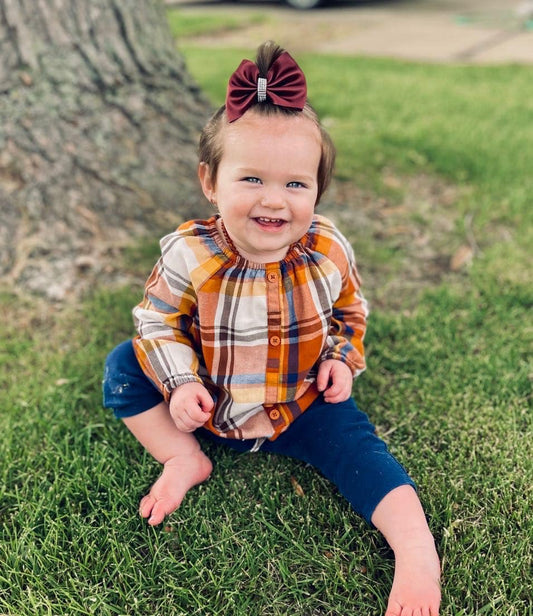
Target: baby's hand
x: 190, y: 406
x: 335, y: 380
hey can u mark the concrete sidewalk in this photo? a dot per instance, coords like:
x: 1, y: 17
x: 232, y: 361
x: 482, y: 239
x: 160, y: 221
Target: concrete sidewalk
x: 473, y: 31
x: 439, y: 35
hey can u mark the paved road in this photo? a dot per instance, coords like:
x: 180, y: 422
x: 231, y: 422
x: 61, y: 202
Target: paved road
x: 480, y: 31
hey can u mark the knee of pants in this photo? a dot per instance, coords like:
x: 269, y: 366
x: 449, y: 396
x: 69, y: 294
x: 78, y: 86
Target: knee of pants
x: 346, y: 442
x: 347, y: 439
x: 119, y: 363
x: 340, y: 441
x: 121, y: 355
x: 126, y: 389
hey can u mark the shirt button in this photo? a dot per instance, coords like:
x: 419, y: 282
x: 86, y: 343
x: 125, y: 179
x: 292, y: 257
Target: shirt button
x: 275, y: 340
x: 274, y: 414
x: 272, y: 276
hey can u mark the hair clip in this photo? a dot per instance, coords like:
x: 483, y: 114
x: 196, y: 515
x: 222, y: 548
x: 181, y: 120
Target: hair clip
x: 261, y: 89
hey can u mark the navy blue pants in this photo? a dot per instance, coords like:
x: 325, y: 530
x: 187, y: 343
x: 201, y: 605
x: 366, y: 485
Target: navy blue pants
x: 337, y: 439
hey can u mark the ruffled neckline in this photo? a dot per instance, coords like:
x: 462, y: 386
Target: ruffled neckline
x: 225, y: 243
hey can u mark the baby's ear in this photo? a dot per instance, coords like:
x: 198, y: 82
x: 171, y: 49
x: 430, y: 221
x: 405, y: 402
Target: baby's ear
x: 208, y: 187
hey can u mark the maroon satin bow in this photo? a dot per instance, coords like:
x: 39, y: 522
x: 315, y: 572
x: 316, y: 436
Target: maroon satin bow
x: 285, y: 86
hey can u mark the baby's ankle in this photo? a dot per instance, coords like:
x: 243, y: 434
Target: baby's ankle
x: 413, y: 538
x: 195, y: 462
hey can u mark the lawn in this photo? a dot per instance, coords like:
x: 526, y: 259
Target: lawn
x: 448, y: 385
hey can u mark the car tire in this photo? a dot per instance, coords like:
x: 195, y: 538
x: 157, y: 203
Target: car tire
x: 304, y: 4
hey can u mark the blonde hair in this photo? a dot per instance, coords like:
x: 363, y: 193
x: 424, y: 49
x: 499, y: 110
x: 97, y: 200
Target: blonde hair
x: 210, y: 146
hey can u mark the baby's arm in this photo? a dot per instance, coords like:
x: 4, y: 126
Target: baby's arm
x: 190, y: 406
x: 335, y: 379
x: 349, y: 311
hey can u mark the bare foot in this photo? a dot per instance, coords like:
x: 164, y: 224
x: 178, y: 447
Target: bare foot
x: 416, y: 588
x: 179, y: 475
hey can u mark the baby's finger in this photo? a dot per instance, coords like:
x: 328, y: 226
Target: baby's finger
x: 183, y: 424
x: 323, y: 379
x: 337, y: 393
x: 333, y: 389
x: 205, y: 402
x: 193, y: 417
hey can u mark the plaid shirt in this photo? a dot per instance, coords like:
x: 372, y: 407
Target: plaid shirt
x: 252, y: 333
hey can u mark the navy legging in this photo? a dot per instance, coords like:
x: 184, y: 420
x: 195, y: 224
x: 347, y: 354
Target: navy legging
x: 337, y: 439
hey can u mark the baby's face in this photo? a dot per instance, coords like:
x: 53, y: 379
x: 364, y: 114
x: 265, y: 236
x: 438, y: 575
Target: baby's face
x: 266, y: 186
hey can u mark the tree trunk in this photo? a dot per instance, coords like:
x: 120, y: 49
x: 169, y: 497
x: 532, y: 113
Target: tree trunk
x: 99, y: 122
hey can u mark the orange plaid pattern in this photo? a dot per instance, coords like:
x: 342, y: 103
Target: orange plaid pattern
x: 253, y: 334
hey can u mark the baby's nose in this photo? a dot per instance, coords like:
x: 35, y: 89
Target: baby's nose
x: 273, y: 198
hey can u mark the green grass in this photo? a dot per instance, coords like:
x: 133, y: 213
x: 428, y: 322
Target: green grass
x: 184, y: 24
x: 448, y: 387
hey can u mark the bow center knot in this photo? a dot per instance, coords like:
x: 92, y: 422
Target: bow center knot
x: 261, y: 89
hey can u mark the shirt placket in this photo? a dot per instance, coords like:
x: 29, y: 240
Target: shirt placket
x: 273, y: 279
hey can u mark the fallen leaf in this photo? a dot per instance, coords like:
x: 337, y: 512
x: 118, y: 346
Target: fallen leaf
x: 297, y: 487
x: 392, y: 181
x: 397, y: 230
x: 26, y: 78
x: 463, y: 256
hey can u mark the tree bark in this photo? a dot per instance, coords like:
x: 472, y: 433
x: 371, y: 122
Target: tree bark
x: 99, y: 121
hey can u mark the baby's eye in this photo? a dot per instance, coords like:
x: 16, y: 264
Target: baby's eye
x: 252, y: 180
x: 295, y: 185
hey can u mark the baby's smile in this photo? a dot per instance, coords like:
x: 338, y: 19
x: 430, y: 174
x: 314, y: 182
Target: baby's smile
x: 270, y: 222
